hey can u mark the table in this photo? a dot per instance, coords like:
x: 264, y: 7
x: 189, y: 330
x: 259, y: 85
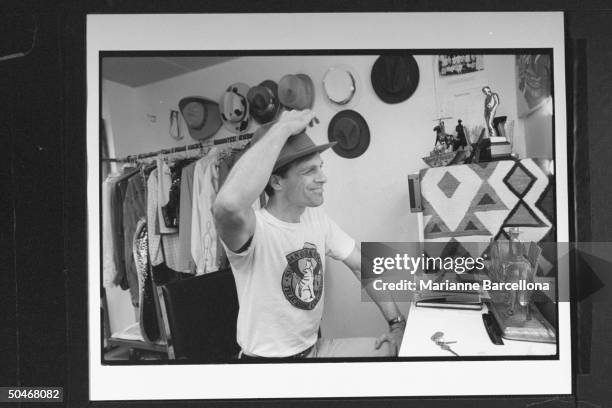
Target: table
x: 467, y: 329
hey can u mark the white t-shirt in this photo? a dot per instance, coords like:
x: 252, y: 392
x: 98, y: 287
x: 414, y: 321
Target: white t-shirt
x: 279, y: 280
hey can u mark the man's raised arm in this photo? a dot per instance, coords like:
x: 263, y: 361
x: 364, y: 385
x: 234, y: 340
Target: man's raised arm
x: 234, y: 217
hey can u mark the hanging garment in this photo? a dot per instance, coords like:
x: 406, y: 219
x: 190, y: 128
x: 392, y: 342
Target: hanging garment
x: 170, y: 211
x: 110, y: 269
x: 165, y: 247
x: 203, y: 232
x: 148, y: 322
x: 164, y: 182
x: 172, y: 256
x: 113, y: 240
x: 185, y: 212
x: 133, y: 210
x: 224, y: 167
x: 156, y: 255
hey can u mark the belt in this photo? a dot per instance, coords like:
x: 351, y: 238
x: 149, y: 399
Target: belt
x: 301, y: 354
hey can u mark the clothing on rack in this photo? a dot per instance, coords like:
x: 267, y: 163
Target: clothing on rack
x: 164, y: 182
x: 134, y: 209
x: 151, y: 217
x: 185, y: 213
x: 164, y: 248
x: 148, y: 322
x: 170, y: 211
x: 203, y: 232
x: 113, y: 252
x: 110, y: 268
x: 156, y: 255
x: 176, y: 202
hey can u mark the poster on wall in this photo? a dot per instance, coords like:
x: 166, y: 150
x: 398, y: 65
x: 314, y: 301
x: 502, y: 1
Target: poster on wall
x: 187, y: 303
x: 533, y: 83
x: 449, y: 65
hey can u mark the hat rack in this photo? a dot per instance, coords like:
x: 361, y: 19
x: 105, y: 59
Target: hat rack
x: 180, y: 149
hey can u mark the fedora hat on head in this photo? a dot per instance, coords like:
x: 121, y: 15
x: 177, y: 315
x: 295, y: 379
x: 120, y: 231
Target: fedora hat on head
x: 296, y: 91
x: 395, y: 77
x: 263, y: 101
x: 341, y: 86
x: 234, y: 108
x: 297, y: 146
x: 351, y: 132
x: 201, y: 116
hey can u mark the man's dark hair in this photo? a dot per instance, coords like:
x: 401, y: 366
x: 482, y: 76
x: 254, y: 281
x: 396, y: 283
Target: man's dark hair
x: 282, y: 171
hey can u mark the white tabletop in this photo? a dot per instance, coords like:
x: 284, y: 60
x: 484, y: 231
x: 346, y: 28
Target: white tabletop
x: 466, y: 328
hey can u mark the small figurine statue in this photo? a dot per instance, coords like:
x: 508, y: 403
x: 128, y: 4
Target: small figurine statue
x: 444, y: 141
x: 490, y: 106
x: 460, y: 139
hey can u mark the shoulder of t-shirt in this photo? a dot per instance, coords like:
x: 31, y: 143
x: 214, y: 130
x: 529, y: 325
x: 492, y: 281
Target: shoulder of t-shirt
x: 316, y: 215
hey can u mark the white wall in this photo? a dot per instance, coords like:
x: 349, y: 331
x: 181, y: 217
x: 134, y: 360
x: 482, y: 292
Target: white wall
x: 367, y: 196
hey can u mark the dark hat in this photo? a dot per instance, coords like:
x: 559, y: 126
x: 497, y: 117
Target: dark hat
x: 297, y: 146
x: 201, y: 116
x: 234, y: 108
x: 395, y: 77
x: 296, y: 91
x: 352, y: 133
x: 263, y: 101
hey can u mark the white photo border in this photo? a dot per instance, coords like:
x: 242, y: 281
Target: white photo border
x: 329, y: 31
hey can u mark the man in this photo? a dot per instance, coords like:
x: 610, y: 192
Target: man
x: 277, y: 253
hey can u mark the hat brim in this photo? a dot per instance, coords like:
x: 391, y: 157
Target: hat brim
x: 213, y: 117
x: 314, y: 149
x: 364, y: 135
x: 377, y: 75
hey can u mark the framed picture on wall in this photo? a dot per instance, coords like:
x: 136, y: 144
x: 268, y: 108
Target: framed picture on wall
x: 221, y: 82
x: 533, y: 80
x: 449, y: 65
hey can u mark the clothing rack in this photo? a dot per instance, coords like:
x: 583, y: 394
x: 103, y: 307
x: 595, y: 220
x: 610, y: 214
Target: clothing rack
x: 181, y: 149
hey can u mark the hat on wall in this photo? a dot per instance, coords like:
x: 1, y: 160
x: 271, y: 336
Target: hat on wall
x: 297, y: 146
x: 234, y: 108
x: 352, y: 133
x: 201, y: 116
x: 263, y: 101
x: 340, y: 85
x: 395, y: 77
x: 296, y: 91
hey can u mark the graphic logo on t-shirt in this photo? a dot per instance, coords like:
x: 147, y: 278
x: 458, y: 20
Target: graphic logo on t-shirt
x: 302, y: 280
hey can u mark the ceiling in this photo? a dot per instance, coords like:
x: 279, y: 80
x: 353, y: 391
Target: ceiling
x: 139, y: 71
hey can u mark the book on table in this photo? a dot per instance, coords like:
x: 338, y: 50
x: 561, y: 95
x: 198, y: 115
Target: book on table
x: 470, y: 300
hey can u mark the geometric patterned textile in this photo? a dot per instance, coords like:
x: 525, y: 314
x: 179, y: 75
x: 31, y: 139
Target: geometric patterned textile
x: 473, y: 203
x: 519, y: 180
x: 448, y: 184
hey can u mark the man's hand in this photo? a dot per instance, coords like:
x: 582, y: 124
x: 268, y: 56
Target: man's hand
x: 394, y: 337
x: 295, y: 121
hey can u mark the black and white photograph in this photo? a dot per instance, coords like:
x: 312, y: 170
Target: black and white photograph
x: 449, y: 65
x: 185, y: 294
x: 233, y: 184
x: 300, y: 204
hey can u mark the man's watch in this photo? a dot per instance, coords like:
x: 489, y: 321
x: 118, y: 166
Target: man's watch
x: 396, y: 320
